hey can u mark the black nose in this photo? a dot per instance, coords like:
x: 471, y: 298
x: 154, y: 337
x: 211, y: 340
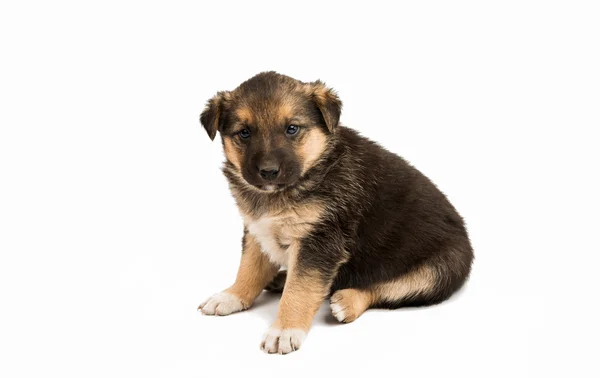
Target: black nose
x: 269, y: 173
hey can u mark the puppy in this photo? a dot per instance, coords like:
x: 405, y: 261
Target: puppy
x: 347, y: 218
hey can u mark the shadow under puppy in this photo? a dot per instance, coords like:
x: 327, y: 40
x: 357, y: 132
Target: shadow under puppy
x: 346, y: 217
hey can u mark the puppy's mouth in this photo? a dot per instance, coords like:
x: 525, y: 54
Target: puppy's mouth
x: 271, y: 187
x: 268, y: 186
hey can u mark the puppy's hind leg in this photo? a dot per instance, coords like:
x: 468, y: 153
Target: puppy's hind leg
x: 415, y: 286
x: 428, y: 284
x: 418, y: 287
x: 348, y: 304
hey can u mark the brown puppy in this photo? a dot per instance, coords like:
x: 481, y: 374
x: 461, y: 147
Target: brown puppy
x: 346, y: 217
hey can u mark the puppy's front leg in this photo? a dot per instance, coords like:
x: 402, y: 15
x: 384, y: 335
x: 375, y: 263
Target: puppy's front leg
x: 254, y: 273
x: 305, y: 289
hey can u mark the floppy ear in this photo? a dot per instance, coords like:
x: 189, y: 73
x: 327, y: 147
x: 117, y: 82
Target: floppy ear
x: 211, y: 116
x: 328, y: 103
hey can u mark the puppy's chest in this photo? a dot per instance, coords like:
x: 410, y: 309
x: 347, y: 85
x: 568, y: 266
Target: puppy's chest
x: 276, y: 233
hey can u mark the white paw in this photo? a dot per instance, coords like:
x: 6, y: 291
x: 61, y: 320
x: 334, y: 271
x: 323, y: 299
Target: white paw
x: 222, y: 304
x: 282, y: 341
x: 338, y: 312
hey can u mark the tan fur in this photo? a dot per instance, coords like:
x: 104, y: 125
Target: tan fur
x: 317, y: 90
x: 214, y: 107
x: 312, y: 147
x: 321, y: 93
x: 322, y: 96
x: 353, y: 302
x: 308, y: 88
x: 420, y: 280
x: 245, y: 114
x: 277, y: 230
x: 302, y: 295
x: 285, y: 110
x: 232, y: 153
x: 254, y: 273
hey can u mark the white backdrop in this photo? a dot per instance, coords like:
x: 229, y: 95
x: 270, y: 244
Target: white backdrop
x: 115, y: 221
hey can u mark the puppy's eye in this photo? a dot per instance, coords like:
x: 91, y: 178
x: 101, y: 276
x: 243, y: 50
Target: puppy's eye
x: 292, y: 129
x: 244, y: 134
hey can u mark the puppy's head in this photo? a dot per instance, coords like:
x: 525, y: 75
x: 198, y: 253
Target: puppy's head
x: 274, y: 128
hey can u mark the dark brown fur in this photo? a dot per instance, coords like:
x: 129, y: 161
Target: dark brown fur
x: 377, y: 218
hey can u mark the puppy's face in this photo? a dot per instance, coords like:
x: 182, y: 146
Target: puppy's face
x: 274, y: 128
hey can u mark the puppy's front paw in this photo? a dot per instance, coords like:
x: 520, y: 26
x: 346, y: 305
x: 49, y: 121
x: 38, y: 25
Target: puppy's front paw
x: 282, y: 341
x: 222, y: 304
